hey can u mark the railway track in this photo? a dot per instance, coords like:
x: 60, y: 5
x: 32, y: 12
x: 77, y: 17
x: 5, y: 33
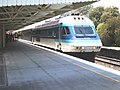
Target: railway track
x: 108, y: 62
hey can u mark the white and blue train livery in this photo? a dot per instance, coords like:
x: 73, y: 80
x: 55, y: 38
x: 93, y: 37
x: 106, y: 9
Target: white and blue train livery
x: 68, y: 34
x: 74, y: 34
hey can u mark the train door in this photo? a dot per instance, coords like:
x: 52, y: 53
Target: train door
x: 62, y: 34
x: 33, y: 35
x: 58, y: 38
x: 65, y: 36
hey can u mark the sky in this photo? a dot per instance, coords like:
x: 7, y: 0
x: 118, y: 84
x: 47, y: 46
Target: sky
x: 107, y: 3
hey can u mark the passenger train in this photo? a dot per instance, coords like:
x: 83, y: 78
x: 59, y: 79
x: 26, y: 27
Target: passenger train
x: 65, y: 33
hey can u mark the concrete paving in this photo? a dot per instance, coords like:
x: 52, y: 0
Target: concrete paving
x: 32, y: 68
x: 2, y: 70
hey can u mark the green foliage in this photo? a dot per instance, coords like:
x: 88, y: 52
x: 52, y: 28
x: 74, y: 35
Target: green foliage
x: 95, y: 15
x: 109, y: 13
x: 104, y: 17
x: 107, y: 22
x: 113, y: 11
x: 117, y: 32
x: 109, y: 31
x: 117, y: 36
x: 101, y: 29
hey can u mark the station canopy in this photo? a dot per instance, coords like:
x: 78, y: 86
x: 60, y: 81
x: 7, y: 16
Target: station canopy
x: 15, y: 14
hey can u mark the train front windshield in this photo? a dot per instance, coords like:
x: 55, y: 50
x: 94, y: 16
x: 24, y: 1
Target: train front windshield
x: 84, y: 31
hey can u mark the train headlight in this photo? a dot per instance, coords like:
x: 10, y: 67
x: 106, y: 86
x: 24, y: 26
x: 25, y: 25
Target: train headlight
x: 94, y: 47
x: 83, y: 47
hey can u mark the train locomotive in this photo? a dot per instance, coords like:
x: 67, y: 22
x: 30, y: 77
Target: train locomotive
x: 76, y: 34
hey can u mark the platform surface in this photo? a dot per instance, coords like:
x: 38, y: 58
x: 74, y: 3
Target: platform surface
x: 33, y: 68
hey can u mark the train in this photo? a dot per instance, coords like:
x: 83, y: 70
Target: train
x: 74, y: 33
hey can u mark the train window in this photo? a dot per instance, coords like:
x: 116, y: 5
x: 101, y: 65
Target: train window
x: 37, y: 32
x: 65, y: 31
x: 83, y: 30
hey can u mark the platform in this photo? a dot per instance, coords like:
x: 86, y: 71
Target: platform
x: 29, y: 67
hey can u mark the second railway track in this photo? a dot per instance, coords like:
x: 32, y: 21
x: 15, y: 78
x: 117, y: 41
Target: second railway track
x: 108, y: 62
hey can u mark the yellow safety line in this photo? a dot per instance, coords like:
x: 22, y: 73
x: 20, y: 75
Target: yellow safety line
x: 113, y: 79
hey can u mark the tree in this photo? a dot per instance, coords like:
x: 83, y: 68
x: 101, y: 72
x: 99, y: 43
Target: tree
x: 95, y: 15
x: 109, y: 31
x: 109, y: 13
x: 117, y: 36
x: 117, y: 32
x: 102, y: 31
x: 114, y: 11
x: 101, y: 28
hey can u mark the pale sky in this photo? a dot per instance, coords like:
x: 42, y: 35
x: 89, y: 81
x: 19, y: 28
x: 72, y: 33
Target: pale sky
x: 107, y: 3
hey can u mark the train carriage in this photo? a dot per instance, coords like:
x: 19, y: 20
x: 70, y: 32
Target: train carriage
x: 68, y: 34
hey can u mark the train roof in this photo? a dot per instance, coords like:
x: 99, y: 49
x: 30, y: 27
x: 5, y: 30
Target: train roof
x: 76, y: 20
x: 66, y: 20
